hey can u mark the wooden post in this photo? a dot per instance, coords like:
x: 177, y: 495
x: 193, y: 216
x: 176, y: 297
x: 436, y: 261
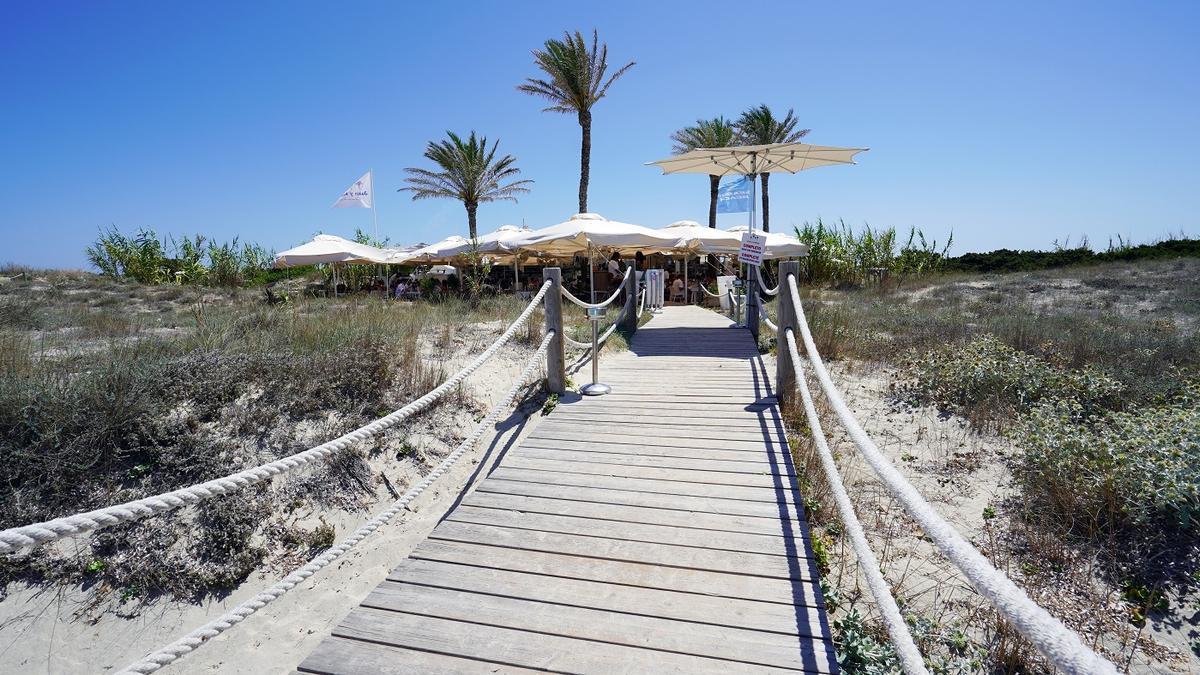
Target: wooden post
x: 752, y: 320
x: 556, y: 375
x: 785, y: 370
x: 629, y: 319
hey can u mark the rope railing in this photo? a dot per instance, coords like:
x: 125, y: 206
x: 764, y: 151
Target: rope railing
x: 185, y: 645
x: 588, y: 305
x: 1059, y: 644
x: 17, y: 538
x: 641, y: 303
x: 763, y: 285
x: 906, y: 649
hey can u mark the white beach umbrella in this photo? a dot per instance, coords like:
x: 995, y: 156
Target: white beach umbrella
x: 693, y: 236
x: 329, y: 248
x: 751, y: 160
x: 590, y: 231
x: 587, y: 233
x: 490, y: 243
x: 432, y: 253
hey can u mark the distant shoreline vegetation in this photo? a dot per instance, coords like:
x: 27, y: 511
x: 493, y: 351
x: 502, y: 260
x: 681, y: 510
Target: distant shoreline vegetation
x: 838, y: 254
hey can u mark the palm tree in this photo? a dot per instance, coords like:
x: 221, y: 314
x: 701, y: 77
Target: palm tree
x: 757, y: 126
x: 575, y: 82
x: 715, y: 133
x: 470, y: 173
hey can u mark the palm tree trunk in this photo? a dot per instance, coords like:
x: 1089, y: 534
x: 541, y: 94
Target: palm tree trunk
x: 471, y: 209
x: 766, y: 203
x: 585, y: 157
x: 714, y: 184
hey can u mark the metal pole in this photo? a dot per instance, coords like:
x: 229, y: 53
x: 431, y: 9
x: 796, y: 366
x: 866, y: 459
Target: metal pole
x: 595, y: 388
x: 556, y: 375
x: 686, y: 290
x: 591, y: 274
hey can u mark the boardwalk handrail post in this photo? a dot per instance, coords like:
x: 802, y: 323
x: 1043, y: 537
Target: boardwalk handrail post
x: 785, y: 370
x: 629, y: 313
x: 752, y: 320
x: 556, y: 374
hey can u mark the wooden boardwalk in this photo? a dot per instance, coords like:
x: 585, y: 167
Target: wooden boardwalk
x: 655, y: 529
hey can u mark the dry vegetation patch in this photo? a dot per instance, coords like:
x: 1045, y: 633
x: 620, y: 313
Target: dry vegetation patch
x: 112, y: 391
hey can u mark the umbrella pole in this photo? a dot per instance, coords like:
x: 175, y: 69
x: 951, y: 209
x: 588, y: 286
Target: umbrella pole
x: 516, y: 275
x: 686, y: 291
x: 591, y: 274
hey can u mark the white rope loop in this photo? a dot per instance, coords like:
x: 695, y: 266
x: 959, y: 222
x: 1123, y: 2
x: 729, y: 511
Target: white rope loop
x: 1059, y: 644
x: 606, y: 303
x: 906, y: 648
x: 193, y: 640
x: 641, y: 303
x: 763, y: 285
x: 709, y: 293
x: 762, y: 314
x: 17, y: 538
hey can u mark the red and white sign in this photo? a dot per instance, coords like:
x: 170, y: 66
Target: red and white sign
x: 752, y: 248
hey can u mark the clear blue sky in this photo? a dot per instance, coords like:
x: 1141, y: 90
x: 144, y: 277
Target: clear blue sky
x: 1013, y: 126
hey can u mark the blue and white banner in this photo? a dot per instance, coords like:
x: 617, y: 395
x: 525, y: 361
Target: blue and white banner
x: 734, y: 197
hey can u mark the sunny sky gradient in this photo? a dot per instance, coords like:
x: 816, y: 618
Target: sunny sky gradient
x: 1013, y: 126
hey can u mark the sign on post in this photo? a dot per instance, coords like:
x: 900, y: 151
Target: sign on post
x: 752, y: 248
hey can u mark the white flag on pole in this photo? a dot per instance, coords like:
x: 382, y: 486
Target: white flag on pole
x: 358, y: 194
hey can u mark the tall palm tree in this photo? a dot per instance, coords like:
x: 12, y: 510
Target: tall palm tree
x: 757, y: 126
x: 575, y: 82
x: 470, y: 173
x: 715, y: 133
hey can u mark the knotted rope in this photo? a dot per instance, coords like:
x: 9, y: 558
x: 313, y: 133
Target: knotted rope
x: 70, y: 526
x: 1059, y: 644
x: 193, y: 640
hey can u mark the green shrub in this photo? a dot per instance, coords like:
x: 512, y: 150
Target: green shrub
x: 987, y: 379
x: 1132, y: 474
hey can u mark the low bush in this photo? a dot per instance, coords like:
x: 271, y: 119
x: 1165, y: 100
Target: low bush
x: 987, y: 379
x: 1129, y: 477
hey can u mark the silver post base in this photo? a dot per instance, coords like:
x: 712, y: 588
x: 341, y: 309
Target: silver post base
x: 595, y: 389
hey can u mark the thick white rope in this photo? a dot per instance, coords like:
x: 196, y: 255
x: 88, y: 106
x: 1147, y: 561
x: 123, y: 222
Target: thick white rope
x: 641, y: 303
x: 1059, y: 644
x: 763, y: 285
x: 70, y: 526
x: 762, y: 314
x: 193, y: 640
x: 906, y: 649
x: 709, y: 293
x: 606, y: 303
x: 599, y: 339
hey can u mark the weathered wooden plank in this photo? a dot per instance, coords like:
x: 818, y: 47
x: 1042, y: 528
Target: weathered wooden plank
x: 638, y: 440
x: 758, y: 466
x: 653, y: 433
x: 690, y: 557
x: 342, y: 656
x: 623, y: 573
x: 515, y: 647
x: 771, y: 511
x: 756, y: 456
x: 717, y: 540
x: 638, y: 484
x: 700, y: 520
x: 777, y: 617
x: 725, y: 643
x: 763, y: 480
x: 643, y: 419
